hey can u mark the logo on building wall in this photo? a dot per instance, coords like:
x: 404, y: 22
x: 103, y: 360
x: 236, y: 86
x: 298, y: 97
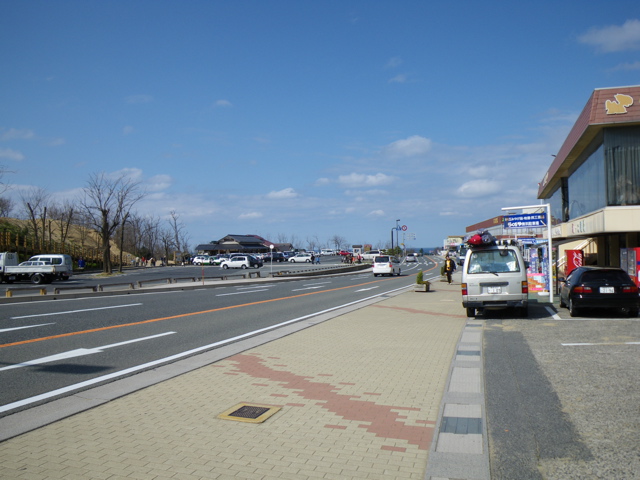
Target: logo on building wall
x: 619, y: 105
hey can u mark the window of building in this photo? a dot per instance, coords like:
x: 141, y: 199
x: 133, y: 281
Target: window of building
x: 622, y: 154
x: 586, y: 188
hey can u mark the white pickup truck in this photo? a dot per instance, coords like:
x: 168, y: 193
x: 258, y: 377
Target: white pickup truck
x: 35, y: 271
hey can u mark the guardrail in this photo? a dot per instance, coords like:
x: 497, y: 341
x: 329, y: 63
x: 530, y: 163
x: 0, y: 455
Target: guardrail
x: 141, y: 284
x: 9, y: 291
x: 58, y: 290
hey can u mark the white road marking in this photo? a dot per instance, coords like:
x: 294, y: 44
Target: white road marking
x: 597, y: 344
x: 77, y: 311
x: 307, y: 288
x: 28, y: 326
x: 370, y: 288
x: 553, y: 313
x: 79, y: 352
x: 241, y: 293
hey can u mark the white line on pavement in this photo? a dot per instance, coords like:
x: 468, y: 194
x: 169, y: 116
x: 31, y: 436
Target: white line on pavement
x: 76, y: 311
x: 241, y: 293
x: 26, y: 326
x: 79, y: 352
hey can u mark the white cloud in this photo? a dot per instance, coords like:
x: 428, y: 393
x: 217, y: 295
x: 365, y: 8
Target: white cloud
x: 400, y: 78
x: 223, y: 103
x: 16, y: 134
x: 478, y: 188
x: 250, y: 215
x: 158, y: 183
x: 56, y: 142
x: 134, y: 174
x: 127, y: 130
x: 376, y: 213
x: 285, y: 193
x: 409, y: 147
x: 614, y: 38
x: 322, y: 181
x: 11, y: 154
x: 394, y: 62
x: 136, y: 99
x: 481, y: 171
x: 356, y: 180
x: 373, y: 192
x: 626, y: 67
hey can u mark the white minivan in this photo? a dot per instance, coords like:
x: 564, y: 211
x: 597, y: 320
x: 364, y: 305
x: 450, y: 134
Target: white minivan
x: 62, y: 262
x: 495, y: 277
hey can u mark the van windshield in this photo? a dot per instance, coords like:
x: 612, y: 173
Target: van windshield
x: 493, y: 261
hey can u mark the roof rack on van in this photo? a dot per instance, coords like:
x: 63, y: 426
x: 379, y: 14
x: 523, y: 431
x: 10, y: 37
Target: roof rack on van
x: 481, y: 239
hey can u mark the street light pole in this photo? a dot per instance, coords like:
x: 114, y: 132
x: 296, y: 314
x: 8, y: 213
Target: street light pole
x: 397, y: 229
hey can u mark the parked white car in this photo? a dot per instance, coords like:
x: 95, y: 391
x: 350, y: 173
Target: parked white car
x: 202, y: 260
x: 386, y: 265
x: 301, y: 258
x: 236, y: 262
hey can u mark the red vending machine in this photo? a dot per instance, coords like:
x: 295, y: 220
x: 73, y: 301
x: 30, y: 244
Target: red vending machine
x: 630, y: 261
x: 575, y: 259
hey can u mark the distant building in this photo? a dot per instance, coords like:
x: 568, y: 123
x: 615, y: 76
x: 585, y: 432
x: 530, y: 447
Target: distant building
x: 235, y: 244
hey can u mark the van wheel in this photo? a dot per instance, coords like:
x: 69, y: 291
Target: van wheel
x: 471, y: 312
x: 37, y: 279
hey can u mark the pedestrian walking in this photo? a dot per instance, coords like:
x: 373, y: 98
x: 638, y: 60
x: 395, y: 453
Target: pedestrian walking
x: 449, y: 267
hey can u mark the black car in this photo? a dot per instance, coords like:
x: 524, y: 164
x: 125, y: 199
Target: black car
x: 275, y: 257
x: 600, y: 288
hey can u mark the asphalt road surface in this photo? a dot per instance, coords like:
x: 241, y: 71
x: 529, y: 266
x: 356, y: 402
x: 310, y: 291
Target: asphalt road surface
x: 54, y: 348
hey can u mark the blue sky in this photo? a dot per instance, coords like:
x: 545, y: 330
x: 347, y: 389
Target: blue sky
x: 305, y: 119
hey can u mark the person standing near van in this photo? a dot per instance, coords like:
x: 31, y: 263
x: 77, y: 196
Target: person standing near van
x: 449, y: 267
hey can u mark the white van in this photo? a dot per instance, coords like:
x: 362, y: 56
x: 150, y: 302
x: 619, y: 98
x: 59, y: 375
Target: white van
x: 62, y: 262
x: 495, y: 277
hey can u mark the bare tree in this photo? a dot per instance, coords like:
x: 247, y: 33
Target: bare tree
x: 313, y: 242
x: 177, y: 228
x: 167, y: 240
x: 150, y: 234
x: 34, y: 203
x: 62, y: 215
x: 338, y: 241
x: 6, y: 206
x: 3, y: 186
x: 106, y: 201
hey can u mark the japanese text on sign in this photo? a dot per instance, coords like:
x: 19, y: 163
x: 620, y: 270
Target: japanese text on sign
x: 528, y: 220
